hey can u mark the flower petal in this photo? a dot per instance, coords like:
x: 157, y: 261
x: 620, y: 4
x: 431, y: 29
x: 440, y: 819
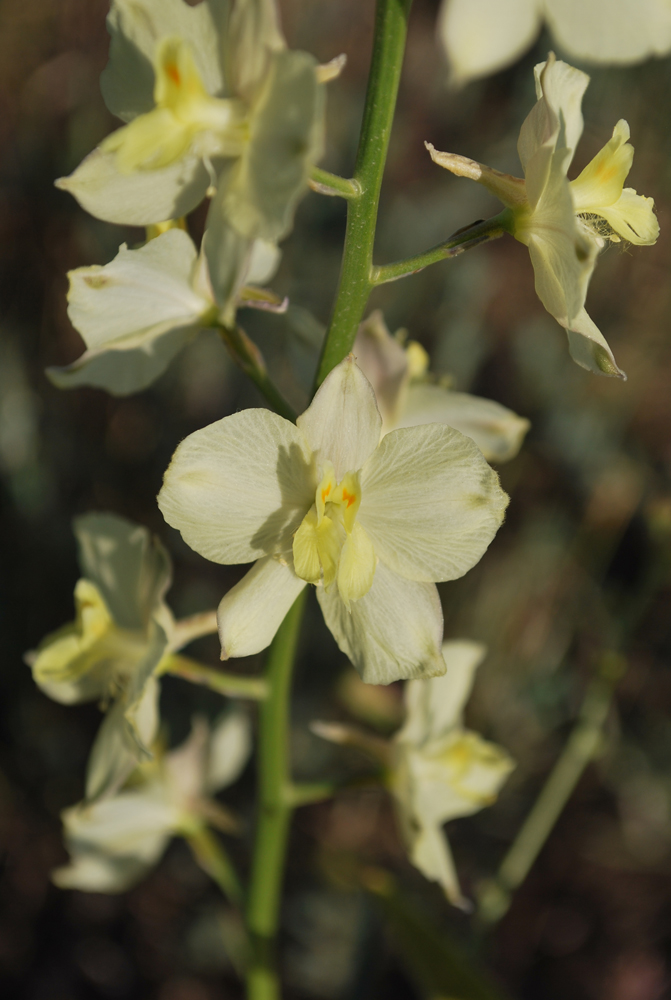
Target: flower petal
x: 600, y: 183
x: 342, y: 424
x: 384, y: 363
x: 430, y: 851
x: 138, y: 199
x: 230, y: 749
x: 250, y: 613
x: 239, y: 488
x: 483, y: 36
x: 93, y: 871
x: 393, y: 632
x: 497, y: 431
x: 253, y: 35
x: 633, y: 217
x: 556, y: 119
x: 589, y: 348
x: 136, y: 27
x: 285, y: 141
x: 435, y: 706
x: 612, y: 31
x: 129, y: 566
x: 430, y: 503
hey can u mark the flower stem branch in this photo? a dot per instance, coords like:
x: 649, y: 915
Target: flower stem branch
x: 247, y: 355
x: 214, y: 860
x: 230, y: 685
x: 356, y: 283
x: 583, y: 744
x: 464, y: 239
x: 324, y: 182
x: 275, y: 810
x: 194, y: 627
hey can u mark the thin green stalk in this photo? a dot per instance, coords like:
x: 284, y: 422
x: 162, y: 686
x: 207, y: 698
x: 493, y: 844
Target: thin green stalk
x: 464, y: 239
x: 213, y: 859
x: 583, y: 743
x: 246, y: 354
x: 275, y: 809
x: 324, y: 182
x: 231, y: 685
x: 356, y: 282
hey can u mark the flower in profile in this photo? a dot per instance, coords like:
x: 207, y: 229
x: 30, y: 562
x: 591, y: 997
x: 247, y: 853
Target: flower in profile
x: 565, y: 223
x: 137, y: 312
x: 440, y: 769
x: 482, y: 36
x: 114, y: 842
x: 212, y: 99
x: 373, y: 524
x: 113, y: 650
x: 406, y: 396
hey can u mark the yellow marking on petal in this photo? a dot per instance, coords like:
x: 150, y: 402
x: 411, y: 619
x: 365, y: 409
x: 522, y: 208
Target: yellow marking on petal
x: 348, y: 495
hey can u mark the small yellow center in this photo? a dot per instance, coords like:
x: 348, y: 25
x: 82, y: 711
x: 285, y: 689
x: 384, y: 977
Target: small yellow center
x: 330, y: 546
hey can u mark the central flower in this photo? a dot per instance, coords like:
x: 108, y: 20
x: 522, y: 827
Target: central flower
x: 330, y: 545
x: 372, y: 523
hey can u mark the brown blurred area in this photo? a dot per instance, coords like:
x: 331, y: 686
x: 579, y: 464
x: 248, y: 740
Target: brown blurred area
x: 582, y: 565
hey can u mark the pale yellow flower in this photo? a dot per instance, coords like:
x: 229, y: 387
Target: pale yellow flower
x: 564, y: 223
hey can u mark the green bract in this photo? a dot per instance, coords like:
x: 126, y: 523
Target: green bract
x: 114, y: 842
x: 112, y: 650
x: 213, y: 99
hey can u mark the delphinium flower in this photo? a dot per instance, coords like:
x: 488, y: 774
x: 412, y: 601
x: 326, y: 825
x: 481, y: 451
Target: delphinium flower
x: 565, y: 223
x: 482, y: 36
x: 112, y: 651
x: 213, y: 100
x: 435, y: 768
x: 114, y: 842
x: 406, y: 394
x: 372, y: 523
x: 137, y: 312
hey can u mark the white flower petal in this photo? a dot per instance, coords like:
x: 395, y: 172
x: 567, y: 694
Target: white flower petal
x: 633, y: 217
x: 263, y: 262
x: 228, y: 254
x: 129, y: 566
x: 430, y: 503
x: 134, y: 823
x: 93, y: 871
x: 230, y: 749
x: 139, y: 295
x: 589, y: 348
x: 612, y: 31
x: 342, y: 424
x: 140, y: 198
x: 136, y: 27
x: 556, y: 118
x: 253, y: 35
x: 483, y: 36
x: 384, y: 363
x: 430, y: 852
x: 239, y: 488
x: 434, y: 706
x: 497, y: 431
x: 250, y: 613
x: 393, y: 632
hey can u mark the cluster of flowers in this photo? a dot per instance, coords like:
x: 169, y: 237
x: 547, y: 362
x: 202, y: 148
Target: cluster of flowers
x: 380, y: 490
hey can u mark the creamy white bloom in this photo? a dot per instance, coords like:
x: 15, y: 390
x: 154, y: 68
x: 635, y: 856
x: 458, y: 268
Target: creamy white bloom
x: 440, y: 769
x: 212, y: 99
x: 406, y: 397
x: 112, y: 650
x: 137, y: 312
x: 373, y: 524
x: 482, y: 36
x: 114, y: 842
x: 565, y: 223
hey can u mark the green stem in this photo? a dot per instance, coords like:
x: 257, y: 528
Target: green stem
x: 464, y: 239
x: 230, y: 685
x: 324, y: 182
x: 496, y: 895
x: 246, y: 354
x: 213, y: 859
x: 275, y: 809
x: 356, y: 282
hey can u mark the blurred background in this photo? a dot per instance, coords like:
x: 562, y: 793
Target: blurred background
x: 582, y: 566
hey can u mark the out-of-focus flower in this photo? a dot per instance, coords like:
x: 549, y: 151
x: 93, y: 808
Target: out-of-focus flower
x: 114, y: 842
x: 137, y: 312
x: 482, y: 36
x: 112, y: 650
x: 213, y: 99
x: 371, y: 523
x: 564, y: 223
x: 441, y: 770
x: 406, y: 397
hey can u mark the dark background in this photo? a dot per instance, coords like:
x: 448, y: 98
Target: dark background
x: 586, y: 546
